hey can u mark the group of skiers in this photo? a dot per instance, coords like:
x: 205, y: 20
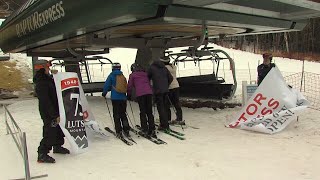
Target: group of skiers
x: 164, y: 91
x: 157, y: 84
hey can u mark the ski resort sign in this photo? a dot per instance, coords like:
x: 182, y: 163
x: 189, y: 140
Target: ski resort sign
x: 40, y: 19
x: 76, y: 119
x: 71, y: 116
x: 272, y: 107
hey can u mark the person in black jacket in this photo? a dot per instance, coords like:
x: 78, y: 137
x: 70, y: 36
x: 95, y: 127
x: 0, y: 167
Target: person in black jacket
x: 49, y: 112
x: 161, y: 79
x: 264, y: 68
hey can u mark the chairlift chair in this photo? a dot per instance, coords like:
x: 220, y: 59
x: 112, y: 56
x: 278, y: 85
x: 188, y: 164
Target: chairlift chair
x: 209, y: 86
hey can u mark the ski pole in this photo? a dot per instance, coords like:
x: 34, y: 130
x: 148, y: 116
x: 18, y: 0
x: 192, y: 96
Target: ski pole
x: 134, y: 119
x: 129, y: 119
x: 133, y: 126
x: 174, y: 109
x: 109, y: 113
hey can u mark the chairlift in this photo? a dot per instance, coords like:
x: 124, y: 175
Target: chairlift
x: 89, y: 86
x: 209, y: 86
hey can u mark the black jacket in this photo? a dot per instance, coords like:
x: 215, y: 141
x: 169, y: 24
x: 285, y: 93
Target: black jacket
x: 160, y: 76
x: 263, y: 70
x: 46, y: 93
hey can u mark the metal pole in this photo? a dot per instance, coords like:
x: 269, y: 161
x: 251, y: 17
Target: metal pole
x: 25, y: 156
x: 174, y: 109
x: 110, y: 113
x: 134, y: 119
x: 5, y: 117
x: 249, y: 71
x: 302, y: 76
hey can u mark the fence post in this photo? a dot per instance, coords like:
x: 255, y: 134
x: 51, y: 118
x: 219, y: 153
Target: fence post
x: 244, y: 92
x: 6, y: 119
x: 25, y: 155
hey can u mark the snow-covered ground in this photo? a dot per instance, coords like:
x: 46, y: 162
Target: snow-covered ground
x: 211, y: 152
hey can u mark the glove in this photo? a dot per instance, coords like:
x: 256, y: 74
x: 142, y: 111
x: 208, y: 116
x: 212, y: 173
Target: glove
x: 58, y: 120
x: 53, y: 71
x: 55, y: 122
x: 103, y: 94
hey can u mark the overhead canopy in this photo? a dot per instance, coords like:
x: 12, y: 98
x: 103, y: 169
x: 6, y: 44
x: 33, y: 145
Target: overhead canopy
x: 9, y: 6
x: 50, y: 27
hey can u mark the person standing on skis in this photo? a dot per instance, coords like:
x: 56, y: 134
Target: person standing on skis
x: 264, y: 68
x: 52, y: 135
x: 139, y: 81
x: 117, y: 84
x: 174, y: 94
x: 161, y: 78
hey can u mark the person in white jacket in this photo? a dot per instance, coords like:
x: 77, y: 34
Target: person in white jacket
x: 174, y: 94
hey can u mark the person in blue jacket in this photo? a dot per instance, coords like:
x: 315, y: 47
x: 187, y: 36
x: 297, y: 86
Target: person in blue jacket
x: 118, y: 98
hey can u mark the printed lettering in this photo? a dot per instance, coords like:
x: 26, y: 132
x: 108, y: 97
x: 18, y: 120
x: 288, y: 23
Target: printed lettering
x: 259, y: 97
x: 40, y: 19
x: 266, y: 111
x: 255, y: 109
x: 61, y: 8
x: 273, y: 103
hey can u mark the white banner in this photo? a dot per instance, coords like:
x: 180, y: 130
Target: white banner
x: 272, y: 107
x: 70, y: 109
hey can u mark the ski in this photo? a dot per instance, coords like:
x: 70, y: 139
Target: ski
x: 184, y: 126
x: 173, y: 131
x: 119, y: 137
x: 179, y: 125
x: 152, y: 139
x: 130, y: 138
x: 169, y: 132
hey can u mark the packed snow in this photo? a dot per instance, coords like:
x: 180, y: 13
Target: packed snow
x: 210, y: 152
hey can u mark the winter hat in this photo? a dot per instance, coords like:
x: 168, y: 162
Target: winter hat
x: 116, y: 66
x: 165, y: 59
x: 267, y: 55
x: 39, y: 64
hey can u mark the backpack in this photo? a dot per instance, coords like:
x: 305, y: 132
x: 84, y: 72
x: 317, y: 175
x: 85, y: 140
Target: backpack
x: 121, y: 84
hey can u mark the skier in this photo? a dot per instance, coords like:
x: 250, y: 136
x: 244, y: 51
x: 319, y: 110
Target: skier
x: 161, y: 78
x: 139, y: 81
x: 174, y: 94
x: 117, y: 84
x: 264, y: 68
x: 49, y: 112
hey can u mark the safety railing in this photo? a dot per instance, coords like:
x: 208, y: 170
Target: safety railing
x: 20, y: 140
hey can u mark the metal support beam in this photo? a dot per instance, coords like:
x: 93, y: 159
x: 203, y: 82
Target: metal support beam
x: 302, y: 3
x: 63, y: 54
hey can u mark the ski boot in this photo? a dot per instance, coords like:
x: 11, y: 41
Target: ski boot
x: 119, y: 134
x: 177, y: 122
x: 163, y: 129
x: 126, y: 133
x: 143, y: 133
x: 153, y: 134
x: 60, y: 150
x: 45, y: 158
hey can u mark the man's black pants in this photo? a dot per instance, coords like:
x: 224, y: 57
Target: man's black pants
x: 120, y: 115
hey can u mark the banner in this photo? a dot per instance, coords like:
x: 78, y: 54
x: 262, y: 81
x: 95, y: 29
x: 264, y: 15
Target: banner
x: 272, y: 107
x: 70, y: 109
